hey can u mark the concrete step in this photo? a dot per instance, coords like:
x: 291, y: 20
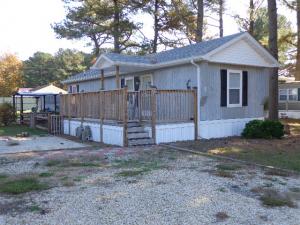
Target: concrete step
x: 138, y: 135
x: 135, y: 129
x: 140, y: 142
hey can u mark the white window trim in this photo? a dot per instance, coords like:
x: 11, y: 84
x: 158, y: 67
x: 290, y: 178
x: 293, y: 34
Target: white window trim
x: 241, y: 88
x: 147, y: 75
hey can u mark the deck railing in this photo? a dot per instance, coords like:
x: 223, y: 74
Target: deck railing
x: 152, y: 106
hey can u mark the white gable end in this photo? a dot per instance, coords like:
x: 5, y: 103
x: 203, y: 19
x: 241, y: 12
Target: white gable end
x: 242, y: 52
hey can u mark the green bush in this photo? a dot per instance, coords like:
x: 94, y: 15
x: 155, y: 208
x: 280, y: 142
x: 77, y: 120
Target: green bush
x: 7, y: 115
x: 263, y: 129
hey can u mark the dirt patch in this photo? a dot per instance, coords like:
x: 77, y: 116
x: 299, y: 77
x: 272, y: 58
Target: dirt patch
x: 36, y: 143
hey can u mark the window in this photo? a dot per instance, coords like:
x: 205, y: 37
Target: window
x: 234, y: 88
x: 146, y: 82
x: 77, y: 88
x: 70, y: 89
x: 288, y: 94
x: 293, y: 94
x: 129, y: 82
x: 74, y: 89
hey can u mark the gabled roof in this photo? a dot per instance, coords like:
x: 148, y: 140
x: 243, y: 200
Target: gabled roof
x: 193, y: 50
x: 207, y: 50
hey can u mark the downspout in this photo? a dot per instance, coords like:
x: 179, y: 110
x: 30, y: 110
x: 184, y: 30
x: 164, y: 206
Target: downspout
x: 198, y: 92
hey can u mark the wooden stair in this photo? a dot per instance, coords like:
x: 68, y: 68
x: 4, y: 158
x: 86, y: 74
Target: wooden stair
x: 137, y: 136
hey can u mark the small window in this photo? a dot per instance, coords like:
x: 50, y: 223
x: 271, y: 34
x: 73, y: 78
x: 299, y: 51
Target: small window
x: 70, y: 89
x: 146, y: 82
x: 77, y: 88
x: 293, y: 94
x: 234, y: 88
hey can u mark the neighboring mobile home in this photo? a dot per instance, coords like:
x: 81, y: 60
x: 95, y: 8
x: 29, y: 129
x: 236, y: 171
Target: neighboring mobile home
x: 229, y: 75
x: 289, y: 98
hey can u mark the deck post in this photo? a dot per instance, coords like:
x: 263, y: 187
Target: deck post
x: 102, y: 79
x: 68, y: 100
x: 153, y: 114
x: 118, y: 77
x: 22, y: 110
x: 81, y: 109
x: 195, y: 113
x: 44, y: 99
x: 102, y: 99
x: 125, y: 117
x: 49, y: 123
x: 14, y: 105
x: 55, y: 103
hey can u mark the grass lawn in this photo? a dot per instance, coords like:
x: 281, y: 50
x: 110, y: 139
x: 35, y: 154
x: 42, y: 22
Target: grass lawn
x: 283, y: 153
x: 13, y: 130
x: 282, y: 156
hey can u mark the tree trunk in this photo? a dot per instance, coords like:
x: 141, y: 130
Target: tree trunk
x: 297, y: 74
x: 96, y: 45
x: 273, y: 83
x: 156, y: 28
x: 200, y: 14
x: 116, y: 30
x: 251, y: 19
x: 221, y: 11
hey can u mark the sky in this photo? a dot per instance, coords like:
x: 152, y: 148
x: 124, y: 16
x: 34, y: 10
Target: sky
x: 25, y: 25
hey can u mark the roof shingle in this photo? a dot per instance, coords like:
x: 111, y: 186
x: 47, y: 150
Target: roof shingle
x: 193, y: 50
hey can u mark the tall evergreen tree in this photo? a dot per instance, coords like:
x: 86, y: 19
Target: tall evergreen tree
x: 200, y: 16
x: 101, y: 21
x: 273, y: 48
x: 295, y: 5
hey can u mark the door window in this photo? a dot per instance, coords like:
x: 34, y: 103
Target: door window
x: 129, y: 83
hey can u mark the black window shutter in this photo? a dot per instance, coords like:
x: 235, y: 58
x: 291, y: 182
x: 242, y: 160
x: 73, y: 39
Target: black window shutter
x: 136, y: 83
x: 223, y: 88
x: 298, y: 94
x: 122, y: 82
x: 245, y: 88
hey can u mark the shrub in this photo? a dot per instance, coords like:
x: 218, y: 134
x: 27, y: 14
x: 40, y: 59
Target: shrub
x: 7, y: 114
x: 253, y: 129
x: 263, y: 129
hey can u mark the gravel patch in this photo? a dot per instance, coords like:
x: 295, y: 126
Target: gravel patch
x: 183, y: 191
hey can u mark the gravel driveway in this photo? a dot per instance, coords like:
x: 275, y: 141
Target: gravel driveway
x: 169, y: 188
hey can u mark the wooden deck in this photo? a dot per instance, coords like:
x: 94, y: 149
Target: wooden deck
x: 123, y: 106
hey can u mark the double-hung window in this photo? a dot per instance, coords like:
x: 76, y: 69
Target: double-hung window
x: 290, y: 94
x: 293, y: 94
x: 234, y: 88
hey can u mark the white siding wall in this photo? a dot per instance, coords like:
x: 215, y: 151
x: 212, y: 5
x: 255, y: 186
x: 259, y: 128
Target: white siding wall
x: 173, y: 132
x: 223, y: 128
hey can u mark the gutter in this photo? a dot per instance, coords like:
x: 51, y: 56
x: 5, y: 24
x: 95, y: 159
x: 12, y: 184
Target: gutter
x: 198, y: 91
